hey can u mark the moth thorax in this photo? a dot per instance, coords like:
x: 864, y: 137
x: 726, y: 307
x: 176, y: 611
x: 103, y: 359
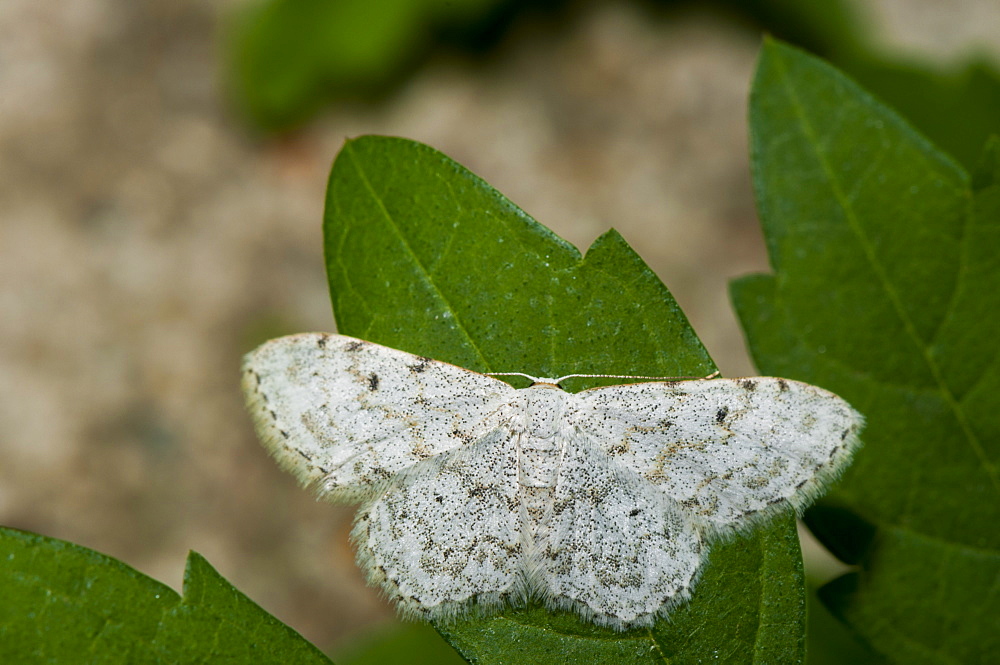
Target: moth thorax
x: 544, y: 407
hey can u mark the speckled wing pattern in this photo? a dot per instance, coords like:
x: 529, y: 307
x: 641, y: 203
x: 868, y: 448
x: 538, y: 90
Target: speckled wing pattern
x: 614, y: 548
x: 729, y: 451
x: 448, y: 532
x: 475, y: 495
x: 349, y: 414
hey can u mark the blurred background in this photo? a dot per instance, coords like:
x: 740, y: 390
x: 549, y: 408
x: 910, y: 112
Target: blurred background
x: 162, y: 176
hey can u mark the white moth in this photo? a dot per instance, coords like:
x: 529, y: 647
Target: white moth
x: 475, y: 495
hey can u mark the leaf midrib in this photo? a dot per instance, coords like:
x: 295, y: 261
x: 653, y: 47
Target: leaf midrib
x: 883, y: 279
x: 424, y: 273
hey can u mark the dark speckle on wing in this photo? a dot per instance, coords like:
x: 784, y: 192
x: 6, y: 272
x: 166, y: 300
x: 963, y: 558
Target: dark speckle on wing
x: 720, y: 415
x: 421, y: 365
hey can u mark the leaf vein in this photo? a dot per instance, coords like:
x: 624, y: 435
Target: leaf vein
x: 416, y: 260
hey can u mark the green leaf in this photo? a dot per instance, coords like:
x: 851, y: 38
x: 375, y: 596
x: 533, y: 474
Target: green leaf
x: 63, y: 603
x: 424, y: 256
x: 886, y: 290
x: 410, y: 643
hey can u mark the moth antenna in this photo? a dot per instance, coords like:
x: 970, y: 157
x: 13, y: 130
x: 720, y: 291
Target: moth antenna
x: 713, y: 375
x: 522, y: 374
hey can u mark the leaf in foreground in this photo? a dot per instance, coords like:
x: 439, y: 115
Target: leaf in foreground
x: 63, y: 603
x: 424, y: 256
x: 886, y: 290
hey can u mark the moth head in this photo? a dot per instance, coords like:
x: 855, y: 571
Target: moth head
x: 536, y: 381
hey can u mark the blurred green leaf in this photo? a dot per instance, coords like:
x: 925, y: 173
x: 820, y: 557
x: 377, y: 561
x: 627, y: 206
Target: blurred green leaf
x: 424, y: 256
x: 62, y: 603
x: 829, y: 28
x: 287, y: 58
x: 956, y: 109
x: 887, y: 291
